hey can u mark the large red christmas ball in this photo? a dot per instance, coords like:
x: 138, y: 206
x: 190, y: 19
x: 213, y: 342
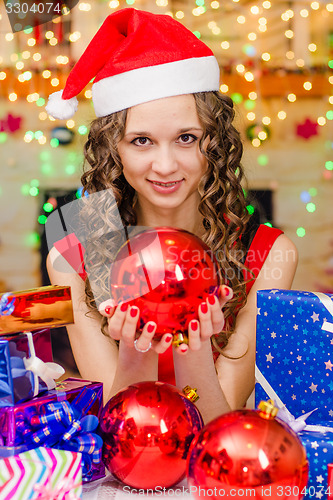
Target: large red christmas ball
x: 166, y: 273
x: 246, y: 453
x: 147, y: 429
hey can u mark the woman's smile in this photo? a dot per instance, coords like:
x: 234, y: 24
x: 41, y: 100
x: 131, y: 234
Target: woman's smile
x: 166, y: 187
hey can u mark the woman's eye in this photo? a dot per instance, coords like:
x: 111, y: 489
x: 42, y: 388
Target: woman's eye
x: 187, y: 138
x: 141, y: 141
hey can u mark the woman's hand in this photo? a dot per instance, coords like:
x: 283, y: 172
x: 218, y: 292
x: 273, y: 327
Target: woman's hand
x: 211, y: 321
x: 122, y: 326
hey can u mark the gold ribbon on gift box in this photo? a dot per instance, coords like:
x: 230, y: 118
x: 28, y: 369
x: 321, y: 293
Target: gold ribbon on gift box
x: 43, y: 307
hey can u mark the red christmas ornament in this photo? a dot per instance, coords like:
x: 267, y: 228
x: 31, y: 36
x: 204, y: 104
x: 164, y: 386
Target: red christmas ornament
x: 147, y: 429
x: 166, y: 273
x: 247, y: 453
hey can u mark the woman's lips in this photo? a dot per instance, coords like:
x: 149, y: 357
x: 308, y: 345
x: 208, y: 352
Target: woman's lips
x: 166, y: 187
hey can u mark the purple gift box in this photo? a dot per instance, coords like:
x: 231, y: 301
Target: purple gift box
x: 64, y: 418
x: 17, y: 382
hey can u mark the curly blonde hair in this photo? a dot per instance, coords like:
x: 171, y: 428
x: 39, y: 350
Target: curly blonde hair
x: 222, y: 205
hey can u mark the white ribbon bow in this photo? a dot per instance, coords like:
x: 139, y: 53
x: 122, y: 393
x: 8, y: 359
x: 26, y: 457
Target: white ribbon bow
x: 297, y: 424
x: 48, y: 371
x: 328, y: 303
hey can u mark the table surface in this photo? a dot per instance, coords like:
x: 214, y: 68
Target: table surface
x: 109, y: 488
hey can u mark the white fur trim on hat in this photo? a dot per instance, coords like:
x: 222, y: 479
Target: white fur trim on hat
x: 63, y: 109
x: 187, y: 76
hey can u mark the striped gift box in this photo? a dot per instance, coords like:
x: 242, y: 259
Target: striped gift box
x: 41, y: 473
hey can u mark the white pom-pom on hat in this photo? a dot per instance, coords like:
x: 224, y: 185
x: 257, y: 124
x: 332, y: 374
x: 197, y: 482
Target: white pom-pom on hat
x: 60, y: 108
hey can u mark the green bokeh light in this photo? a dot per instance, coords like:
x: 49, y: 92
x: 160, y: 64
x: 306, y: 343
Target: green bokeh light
x: 3, y: 137
x: 32, y: 240
x: 42, y: 219
x: 38, y: 134
x: 54, y: 142
x: 34, y: 182
x: 27, y: 75
x: 70, y: 169
x: 197, y: 34
x: 47, y: 207
x: 330, y: 64
x: 300, y: 231
x: 28, y: 30
x: 45, y: 155
x: 46, y: 169
x: 329, y: 165
x: 262, y: 160
x: 313, y: 192
x: 269, y: 224
x: 249, y: 105
x: 25, y: 189
x: 250, y: 209
x: 237, y: 98
x: 311, y: 207
x: 329, y: 115
x: 82, y: 130
x: 33, y: 191
x: 200, y: 3
x: 40, y: 102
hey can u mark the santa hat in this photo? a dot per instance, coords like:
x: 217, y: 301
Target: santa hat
x: 136, y: 57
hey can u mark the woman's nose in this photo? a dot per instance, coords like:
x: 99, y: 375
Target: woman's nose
x: 164, y: 161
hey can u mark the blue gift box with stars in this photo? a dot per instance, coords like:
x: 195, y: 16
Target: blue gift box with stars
x: 295, y: 363
x: 295, y: 350
x: 319, y: 451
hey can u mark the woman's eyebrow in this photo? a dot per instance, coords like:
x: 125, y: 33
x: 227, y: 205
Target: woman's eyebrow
x: 146, y: 133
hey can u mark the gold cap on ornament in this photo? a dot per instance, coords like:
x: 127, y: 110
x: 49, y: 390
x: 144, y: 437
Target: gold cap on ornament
x: 190, y: 393
x: 267, y: 409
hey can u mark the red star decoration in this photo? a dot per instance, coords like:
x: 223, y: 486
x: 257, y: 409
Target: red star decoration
x: 307, y: 129
x: 10, y: 123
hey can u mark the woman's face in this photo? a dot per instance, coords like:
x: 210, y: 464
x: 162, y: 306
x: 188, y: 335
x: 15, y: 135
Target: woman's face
x: 160, y: 153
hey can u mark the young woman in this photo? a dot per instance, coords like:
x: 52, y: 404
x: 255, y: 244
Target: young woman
x: 164, y: 144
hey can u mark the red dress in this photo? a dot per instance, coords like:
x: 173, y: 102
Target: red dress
x: 259, y: 243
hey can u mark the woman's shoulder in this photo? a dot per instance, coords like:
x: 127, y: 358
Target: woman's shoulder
x: 67, y: 255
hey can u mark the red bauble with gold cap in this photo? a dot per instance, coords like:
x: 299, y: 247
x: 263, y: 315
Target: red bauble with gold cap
x: 166, y: 273
x: 247, y: 453
x: 147, y: 430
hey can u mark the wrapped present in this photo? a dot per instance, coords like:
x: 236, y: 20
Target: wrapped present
x: 64, y: 418
x: 319, y: 451
x: 294, y: 350
x: 27, y: 310
x: 41, y: 473
x: 293, y: 367
x: 26, y: 367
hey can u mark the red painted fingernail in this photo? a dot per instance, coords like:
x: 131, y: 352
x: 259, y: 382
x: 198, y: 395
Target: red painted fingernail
x: 168, y: 338
x: 194, y: 325
x: 108, y: 310
x: 150, y: 328
x: 211, y: 299
x: 204, y: 307
x: 183, y: 349
x: 226, y: 291
x: 134, y: 311
x: 124, y: 307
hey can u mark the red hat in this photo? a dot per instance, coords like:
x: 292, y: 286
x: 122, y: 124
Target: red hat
x: 136, y: 57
